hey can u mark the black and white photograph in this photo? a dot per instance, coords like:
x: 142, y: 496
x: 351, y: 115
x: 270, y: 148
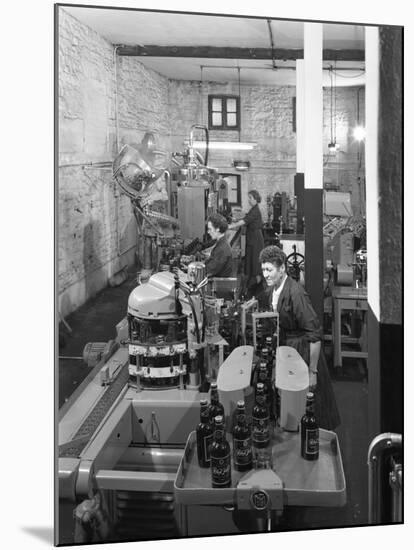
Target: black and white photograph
x: 224, y: 295
x: 229, y: 287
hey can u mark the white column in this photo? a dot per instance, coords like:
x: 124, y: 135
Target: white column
x: 313, y: 105
x: 371, y: 165
x: 300, y: 116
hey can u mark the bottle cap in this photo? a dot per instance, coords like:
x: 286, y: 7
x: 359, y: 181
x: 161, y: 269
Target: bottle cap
x: 260, y: 386
x: 218, y: 419
x: 240, y: 404
x: 203, y: 402
x: 213, y: 385
x: 309, y: 395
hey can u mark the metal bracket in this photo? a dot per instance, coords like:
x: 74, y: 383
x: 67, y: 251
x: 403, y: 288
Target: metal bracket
x: 260, y: 490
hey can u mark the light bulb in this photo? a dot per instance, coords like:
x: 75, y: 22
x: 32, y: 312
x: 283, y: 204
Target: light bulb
x: 359, y: 133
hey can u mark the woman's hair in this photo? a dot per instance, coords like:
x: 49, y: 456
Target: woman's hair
x: 218, y: 222
x: 256, y: 195
x: 274, y: 255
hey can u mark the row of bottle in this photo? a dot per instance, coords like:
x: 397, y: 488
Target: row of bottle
x: 213, y: 449
x: 260, y: 431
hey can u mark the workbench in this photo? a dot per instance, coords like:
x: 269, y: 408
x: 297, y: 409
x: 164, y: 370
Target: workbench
x: 345, y: 299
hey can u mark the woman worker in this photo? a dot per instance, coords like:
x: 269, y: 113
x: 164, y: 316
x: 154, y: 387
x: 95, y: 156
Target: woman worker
x: 220, y: 262
x: 254, y: 241
x: 299, y: 328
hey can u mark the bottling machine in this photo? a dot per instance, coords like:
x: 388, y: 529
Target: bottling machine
x: 126, y: 464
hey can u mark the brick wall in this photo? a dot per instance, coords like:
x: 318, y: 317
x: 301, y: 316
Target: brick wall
x: 96, y: 229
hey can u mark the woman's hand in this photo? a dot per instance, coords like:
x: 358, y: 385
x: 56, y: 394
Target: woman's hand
x: 313, y: 379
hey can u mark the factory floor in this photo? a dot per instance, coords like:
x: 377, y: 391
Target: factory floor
x: 95, y: 321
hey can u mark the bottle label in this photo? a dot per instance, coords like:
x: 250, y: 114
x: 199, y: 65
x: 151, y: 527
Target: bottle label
x: 207, y: 441
x: 242, y: 451
x: 260, y: 429
x: 312, y: 441
x: 221, y: 470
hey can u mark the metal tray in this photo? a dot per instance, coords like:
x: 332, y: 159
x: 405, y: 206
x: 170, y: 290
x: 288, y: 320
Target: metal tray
x: 305, y: 483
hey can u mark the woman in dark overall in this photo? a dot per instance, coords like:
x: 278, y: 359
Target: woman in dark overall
x: 299, y: 328
x: 254, y: 242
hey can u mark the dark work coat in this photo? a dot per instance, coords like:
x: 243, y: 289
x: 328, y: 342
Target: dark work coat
x: 298, y: 327
x: 220, y: 263
x: 254, y: 244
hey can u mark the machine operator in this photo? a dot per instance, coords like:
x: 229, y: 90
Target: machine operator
x: 299, y: 329
x: 254, y: 243
x: 220, y: 263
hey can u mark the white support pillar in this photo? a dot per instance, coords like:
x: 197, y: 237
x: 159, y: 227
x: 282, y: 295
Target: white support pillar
x: 300, y: 116
x: 313, y: 102
x: 313, y: 163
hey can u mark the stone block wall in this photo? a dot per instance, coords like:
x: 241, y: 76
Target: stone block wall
x: 267, y: 119
x: 97, y: 235
x: 96, y: 232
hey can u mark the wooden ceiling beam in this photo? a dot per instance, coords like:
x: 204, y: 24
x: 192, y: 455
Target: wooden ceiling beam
x: 214, y: 52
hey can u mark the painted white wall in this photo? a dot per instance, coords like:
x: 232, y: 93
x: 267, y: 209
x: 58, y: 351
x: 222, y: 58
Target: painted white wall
x: 371, y: 165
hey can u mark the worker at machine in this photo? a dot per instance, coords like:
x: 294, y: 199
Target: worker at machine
x: 220, y: 262
x: 299, y: 328
x: 254, y: 243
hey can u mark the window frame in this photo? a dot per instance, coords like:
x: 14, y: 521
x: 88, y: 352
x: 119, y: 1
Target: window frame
x: 237, y: 189
x: 224, y: 126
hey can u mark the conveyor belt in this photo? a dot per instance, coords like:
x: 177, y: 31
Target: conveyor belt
x: 96, y: 416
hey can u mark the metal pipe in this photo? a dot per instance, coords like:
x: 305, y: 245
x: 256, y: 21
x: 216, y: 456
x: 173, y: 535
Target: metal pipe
x: 377, y: 448
x: 269, y: 24
x: 278, y: 68
x: 101, y: 164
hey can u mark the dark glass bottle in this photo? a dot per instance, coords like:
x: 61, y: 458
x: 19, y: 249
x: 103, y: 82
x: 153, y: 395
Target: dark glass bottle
x: 242, y: 440
x: 260, y: 419
x: 220, y: 456
x: 265, y: 355
x: 270, y: 355
x: 204, y: 433
x: 263, y: 378
x: 269, y: 344
x: 215, y: 408
x: 309, y: 431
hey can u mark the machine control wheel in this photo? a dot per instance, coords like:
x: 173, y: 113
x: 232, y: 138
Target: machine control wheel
x: 295, y: 264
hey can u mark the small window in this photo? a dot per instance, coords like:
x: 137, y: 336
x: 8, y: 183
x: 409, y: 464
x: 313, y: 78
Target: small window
x: 223, y: 112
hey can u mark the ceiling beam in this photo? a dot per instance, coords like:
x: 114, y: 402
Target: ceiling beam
x: 213, y: 52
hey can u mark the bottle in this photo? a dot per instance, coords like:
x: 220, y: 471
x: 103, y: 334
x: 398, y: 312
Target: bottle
x: 215, y: 408
x: 263, y: 378
x: 270, y: 354
x: 269, y: 344
x: 265, y: 355
x: 204, y: 435
x: 263, y: 460
x: 242, y: 440
x: 260, y: 419
x: 309, y: 431
x: 220, y: 456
